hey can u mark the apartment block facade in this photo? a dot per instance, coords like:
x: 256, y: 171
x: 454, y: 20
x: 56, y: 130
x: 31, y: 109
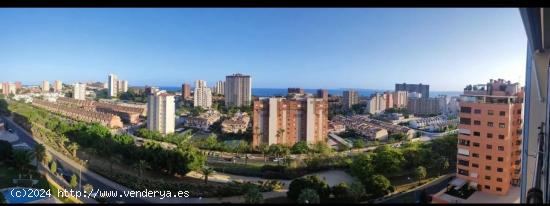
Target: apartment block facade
x: 489, y: 140
x: 45, y: 86
x: 79, y: 91
x: 419, y: 88
x: 238, y: 90
x: 161, y: 112
x: 203, y: 95
x: 289, y: 120
x: 57, y: 86
x: 400, y: 99
x: 323, y: 94
x: 376, y: 104
x: 112, y: 84
x: 350, y: 98
x: 186, y: 91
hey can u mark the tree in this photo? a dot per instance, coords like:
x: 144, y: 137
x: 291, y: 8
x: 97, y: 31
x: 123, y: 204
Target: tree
x: 74, y: 181
x: 359, y: 143
x: 341, y: 192
x: 253, y: 196
x: 312, y: 182
x: 357, y: 191
x: 53, y: 167
x: 264, y: 149
x: 362, y: 166
x: 73, y: 147
x: 22, y: 159
x: 378, y: 186
x: 387, y: 160
x: 420, y: 173
x: 40, y: 153
x: 322, y: 148
x: 276, y: 150
x: 6, y: 150
x: 300, y: 147
x: 88, y: 188
x: 141, y: 165
x: 398, y: 136
x: 206, y: 171
x: 308, y: 196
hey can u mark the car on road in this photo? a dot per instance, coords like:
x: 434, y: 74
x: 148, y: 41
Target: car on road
x: 10, y: 130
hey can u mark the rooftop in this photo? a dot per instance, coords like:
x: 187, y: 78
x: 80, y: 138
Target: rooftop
x: 483, y: 197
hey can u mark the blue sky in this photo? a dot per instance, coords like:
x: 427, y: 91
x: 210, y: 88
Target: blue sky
x: 279, y: 48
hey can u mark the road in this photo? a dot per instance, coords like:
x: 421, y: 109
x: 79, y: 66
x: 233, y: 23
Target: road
x: 88, y: 177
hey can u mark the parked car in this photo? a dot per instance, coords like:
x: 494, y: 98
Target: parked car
x: 10, y: 130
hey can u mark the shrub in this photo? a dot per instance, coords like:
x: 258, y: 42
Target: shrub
x: 313, y: 182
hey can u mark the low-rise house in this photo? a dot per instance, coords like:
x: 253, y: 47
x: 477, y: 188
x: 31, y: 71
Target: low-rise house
x: 238, y: 123
x: 79, y: 114
x: 204, y: 120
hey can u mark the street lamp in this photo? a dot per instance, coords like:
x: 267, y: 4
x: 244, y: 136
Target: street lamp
x: 80, y: 175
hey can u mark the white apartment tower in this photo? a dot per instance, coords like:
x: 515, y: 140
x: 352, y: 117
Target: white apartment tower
x: 161, y: 112
x: 376, y: 104
x: 203, y: 95
x: 113, y: 85
x: 45, y: 86
x: 79, y: 91
x: 57, y: 86
x: 122, y: 86
x: 219, y: 88
x: 238, y: 90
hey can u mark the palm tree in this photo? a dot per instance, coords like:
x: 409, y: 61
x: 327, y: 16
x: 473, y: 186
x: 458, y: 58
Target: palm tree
x: 264, y: 149
x: 141, y: 165
x: 73, y: 147
x: 62, y: 140
x: 40, y: 153
x: 280, y: 133
x: 206, y: 171
x: 22, y: 159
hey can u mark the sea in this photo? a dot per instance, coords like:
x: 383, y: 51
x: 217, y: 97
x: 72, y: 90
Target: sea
x: 268, y: 92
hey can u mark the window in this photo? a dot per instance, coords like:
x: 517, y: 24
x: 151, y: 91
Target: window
x: 500, y: 148
x: 477, y: 122
x: 500, y: 169
x: 500, y: 136
x: 466, y: 110
x: 488, y: 157
x: 499, y: 189
x: 500, y: 159
x: 463, y: 172
x: 489, y: 146
x: 502, y: 113
x: 488, y: 177
x: 477, y: 134
x: 475, y: 155
x: 487, y: 187
x: 477, y: 111
x: 474, y: 165
x: 475, y: 144
x: 519, y: 111
x: 499, y: 179
x: 501, y: 125
x: 463, y: 162
x: 466, y: 121
x: 490, y: 112
x: 464, y: 142
x: 487, y: 167
x: 489, y: 124
x: 517, y: 162
x: 489, y: 135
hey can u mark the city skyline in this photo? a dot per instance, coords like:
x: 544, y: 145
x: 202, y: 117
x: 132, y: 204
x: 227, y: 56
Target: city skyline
x: 345, y: 48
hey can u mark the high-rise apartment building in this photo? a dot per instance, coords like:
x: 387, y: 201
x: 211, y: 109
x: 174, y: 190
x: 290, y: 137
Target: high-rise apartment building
x: 203, y: 95
x: 426, y: 106
x: 388, y: 96
x: 295, y: 90
x: 238, y: 90
x: 489, y: 140
x: 376, y: 104
x: 323, y: 94
x: 419, y: 88
x: 161, y: 112
x: 122, y: 86
x: 79, y: 91
x: 45, y: 86
x: 112, y: 82
x: 57, y: 86
x: 350, y: 98
x: 186, y: 91
x: 18, y: 85
x: 219, y: 88
x: 287, y: 121
x: 400, y: 99
x: 8, y: 88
